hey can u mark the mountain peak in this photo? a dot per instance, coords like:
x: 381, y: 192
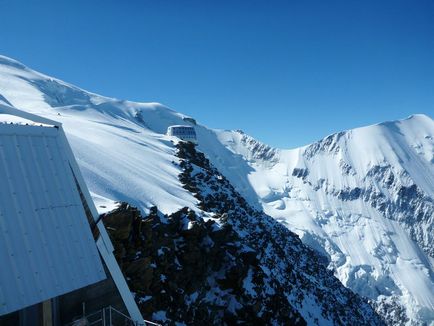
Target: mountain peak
x: 418, y: 116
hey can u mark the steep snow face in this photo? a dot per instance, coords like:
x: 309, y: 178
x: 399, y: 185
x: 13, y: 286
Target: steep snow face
x: 364, y: 198
x: 120, y: 146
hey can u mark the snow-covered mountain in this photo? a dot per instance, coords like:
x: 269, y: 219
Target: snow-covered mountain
x: 362, y: 198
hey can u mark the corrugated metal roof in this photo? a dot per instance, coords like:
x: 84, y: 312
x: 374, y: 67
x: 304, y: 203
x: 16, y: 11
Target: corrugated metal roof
x: 46, y: 245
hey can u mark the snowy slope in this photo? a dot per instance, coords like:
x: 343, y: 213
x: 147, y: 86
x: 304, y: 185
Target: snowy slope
x: 122, y: 156
x: 364, y: 198
x: 342, y: 195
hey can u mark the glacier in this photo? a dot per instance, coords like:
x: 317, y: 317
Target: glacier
x: 361, y: 197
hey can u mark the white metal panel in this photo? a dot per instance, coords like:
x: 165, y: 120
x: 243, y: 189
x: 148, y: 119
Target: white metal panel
x: 46, y: 245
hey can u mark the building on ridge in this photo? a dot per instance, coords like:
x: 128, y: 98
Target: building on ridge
x: 183, y: 132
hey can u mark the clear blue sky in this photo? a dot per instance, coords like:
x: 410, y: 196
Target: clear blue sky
x: 287, y: 72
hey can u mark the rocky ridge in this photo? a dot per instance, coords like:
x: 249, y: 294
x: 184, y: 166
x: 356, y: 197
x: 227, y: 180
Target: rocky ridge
x: 229, y: 264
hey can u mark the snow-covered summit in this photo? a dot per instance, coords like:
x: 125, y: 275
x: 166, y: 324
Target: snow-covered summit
x: 364, y: 198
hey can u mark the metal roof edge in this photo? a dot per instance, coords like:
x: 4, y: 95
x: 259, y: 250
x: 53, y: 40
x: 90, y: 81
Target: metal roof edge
x: 104, y: 243
x: 30, y: 130
x: 6, y: 109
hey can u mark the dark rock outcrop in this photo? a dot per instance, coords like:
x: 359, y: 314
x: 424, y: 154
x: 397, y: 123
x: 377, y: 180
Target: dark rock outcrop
x: 199, y: 272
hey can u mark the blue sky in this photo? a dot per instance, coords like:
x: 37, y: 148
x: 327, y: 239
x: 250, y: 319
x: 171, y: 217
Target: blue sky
x: 287, y: 72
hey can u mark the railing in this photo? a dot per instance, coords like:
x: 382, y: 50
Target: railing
x: 109, y: 316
